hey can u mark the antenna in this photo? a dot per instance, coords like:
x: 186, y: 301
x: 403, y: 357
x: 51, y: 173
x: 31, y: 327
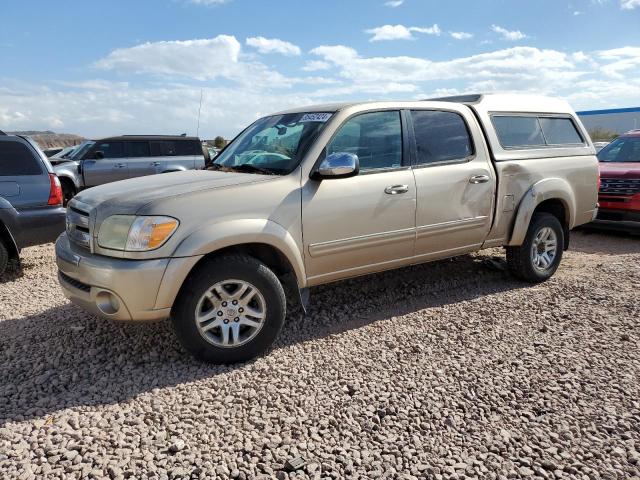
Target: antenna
x: 199, y: 110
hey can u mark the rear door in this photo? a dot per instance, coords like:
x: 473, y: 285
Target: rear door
x: 455, y: 182
x: 138, y: 156
x: 24, y: 181
x: 110, y: 168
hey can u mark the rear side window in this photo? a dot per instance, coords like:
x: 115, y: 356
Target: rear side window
x: 188, y: 147
x: 515, y: 132
x: 440, y: 136
x: 163, y: 148
x: 529, y: 131
x: 138, y: 149
x: 17, y: 159
x: 560, y: 131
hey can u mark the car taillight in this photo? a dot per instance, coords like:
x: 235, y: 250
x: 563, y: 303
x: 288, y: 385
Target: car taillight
x: 55, y: 190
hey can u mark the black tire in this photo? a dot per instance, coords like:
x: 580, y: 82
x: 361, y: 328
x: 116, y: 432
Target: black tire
x: 4, y: 256
x: 68, y: 192
x: 520, y: 259
x: 238, y: 267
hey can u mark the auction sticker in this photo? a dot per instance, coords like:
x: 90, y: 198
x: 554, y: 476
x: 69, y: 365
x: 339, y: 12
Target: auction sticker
x: 315, y: 117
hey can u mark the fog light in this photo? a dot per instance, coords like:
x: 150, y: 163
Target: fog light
x: 107, y: 302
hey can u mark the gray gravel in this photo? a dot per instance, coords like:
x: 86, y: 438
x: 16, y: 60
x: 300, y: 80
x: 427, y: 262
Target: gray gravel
x: 448, y: 370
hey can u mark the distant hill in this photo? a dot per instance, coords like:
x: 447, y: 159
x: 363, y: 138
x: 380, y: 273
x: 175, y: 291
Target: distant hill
x: 49, y: 139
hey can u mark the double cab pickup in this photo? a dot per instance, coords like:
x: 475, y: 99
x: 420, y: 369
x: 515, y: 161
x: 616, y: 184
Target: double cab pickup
x: 318, y: 194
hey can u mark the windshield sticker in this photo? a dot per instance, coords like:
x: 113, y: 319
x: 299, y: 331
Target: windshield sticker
x: 315, y: 117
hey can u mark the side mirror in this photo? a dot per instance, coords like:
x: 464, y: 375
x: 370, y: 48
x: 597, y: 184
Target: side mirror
x: 98, y: 154
x: 338, y: 165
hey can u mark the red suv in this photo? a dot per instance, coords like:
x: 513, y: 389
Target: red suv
x: 619, y: 195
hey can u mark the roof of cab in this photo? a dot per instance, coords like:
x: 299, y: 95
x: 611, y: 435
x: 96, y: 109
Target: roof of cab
x: 492, y: 102
x: 510, y: 102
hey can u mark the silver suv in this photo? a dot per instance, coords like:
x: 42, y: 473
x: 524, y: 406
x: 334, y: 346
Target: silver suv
x: 319, y: 194
x: 120, y: 158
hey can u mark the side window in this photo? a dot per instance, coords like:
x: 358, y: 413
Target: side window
x: 376, y: 138
x: 440, y: 136
x: 111, y: 149
x: 164, y: 148
x: 17, y: 159
x: 560, y: 131
x: 514, y: 131
x: 138, y: 149
x: 188, y: 147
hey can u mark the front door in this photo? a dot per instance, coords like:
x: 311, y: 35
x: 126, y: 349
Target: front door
x: 364, y: 223
x: 106, y: 164
x: 455, y: 183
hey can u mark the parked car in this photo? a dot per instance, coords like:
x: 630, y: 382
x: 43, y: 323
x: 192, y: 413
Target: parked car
x: 600, y: 145
x: 319, y: 194
x: 119, y: 158
x: 31, y: 210
x: 62, y: 156
x: 50, y: 152
x: 620, y: 183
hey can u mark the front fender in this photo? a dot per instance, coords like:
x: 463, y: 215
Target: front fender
x: 213, y: 237
x: 547, y: 189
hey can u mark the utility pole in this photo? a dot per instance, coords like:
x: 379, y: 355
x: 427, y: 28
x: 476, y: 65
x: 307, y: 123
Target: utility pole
x: 199, y: 110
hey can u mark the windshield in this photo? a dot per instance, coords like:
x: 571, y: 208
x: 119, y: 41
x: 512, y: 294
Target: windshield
x: 272, y: 145
x: 626, y: 149
x: 79, y: 152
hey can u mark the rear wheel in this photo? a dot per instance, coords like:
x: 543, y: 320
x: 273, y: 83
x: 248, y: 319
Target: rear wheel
x: 230, y: 310
x: 68, y: 191
x: 538, y: 258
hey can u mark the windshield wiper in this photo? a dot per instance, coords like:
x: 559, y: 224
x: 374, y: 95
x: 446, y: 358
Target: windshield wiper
x: 246, y: 167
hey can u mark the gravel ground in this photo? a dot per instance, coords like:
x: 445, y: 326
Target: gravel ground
x: 447, y: 370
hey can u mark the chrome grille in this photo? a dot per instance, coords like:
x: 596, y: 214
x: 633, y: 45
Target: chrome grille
x: 620, y: 186
x: 78, y: 227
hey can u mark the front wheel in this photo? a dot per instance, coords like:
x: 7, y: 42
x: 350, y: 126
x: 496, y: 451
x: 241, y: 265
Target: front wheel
x: 230, y: 310
x: 538, y: 258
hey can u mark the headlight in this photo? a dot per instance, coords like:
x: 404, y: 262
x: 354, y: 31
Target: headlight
x: 135, y: 234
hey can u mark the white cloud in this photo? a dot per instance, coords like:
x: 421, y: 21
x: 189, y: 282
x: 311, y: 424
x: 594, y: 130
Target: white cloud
x: 202, y: 59
x: 508, y: 34
x: 394, y: 3
x: 629, y: 4
x: 461, y: 35
x: 620, y: 61
x: 400, y: 32
x: 315, y: 65
x: 164, y: 98
x: 273, y: 45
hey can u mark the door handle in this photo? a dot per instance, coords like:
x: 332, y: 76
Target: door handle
x: 479, y: 179
x: 396, y: 189
x: 120, y: 165
x: 155, y: 164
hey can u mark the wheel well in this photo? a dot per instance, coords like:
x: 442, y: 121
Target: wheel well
x: 7, y: 239
x: 265, y: 253
x: 68, y: 182
x: 558, y: 209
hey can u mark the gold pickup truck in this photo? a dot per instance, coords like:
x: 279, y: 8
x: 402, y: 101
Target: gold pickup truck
x: 322, y: 193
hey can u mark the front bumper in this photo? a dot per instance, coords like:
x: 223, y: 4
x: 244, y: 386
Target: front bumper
x: 618, y: 219
x: 119, y: 289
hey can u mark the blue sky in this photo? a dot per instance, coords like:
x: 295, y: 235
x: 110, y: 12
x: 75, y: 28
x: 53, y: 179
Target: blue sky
x: 106, y: 67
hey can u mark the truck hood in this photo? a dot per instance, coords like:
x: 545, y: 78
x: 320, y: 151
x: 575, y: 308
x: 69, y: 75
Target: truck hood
x: 619, y: 169
x: 129, y: 196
